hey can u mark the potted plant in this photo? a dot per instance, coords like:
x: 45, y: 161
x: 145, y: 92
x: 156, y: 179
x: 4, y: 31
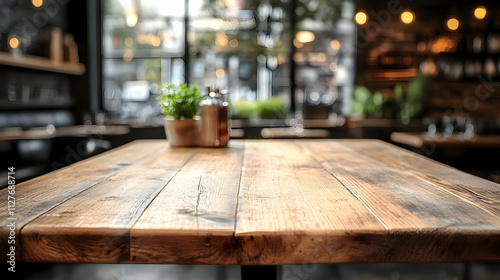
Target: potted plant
x: 272, y: 108
x: 180, y: 105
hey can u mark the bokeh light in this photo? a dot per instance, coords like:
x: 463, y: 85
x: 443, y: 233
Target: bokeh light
x: 480, y: 12
x: 407, y: 17
x: 452, y: 24
x: 360, y: 18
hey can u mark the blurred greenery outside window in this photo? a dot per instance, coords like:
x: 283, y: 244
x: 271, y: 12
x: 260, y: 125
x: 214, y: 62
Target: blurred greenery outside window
x: 295, y: 55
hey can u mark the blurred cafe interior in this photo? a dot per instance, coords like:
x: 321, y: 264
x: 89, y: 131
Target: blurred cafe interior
x: 81, y: 77
x: 78, y: 78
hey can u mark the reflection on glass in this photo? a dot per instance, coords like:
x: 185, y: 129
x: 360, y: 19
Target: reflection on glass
x: 324, y: 60
x: 244, y: 46
x: 143, y: 45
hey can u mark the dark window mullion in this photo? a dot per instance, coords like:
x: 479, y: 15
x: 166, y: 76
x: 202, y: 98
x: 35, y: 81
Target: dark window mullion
x: 186, y: 43
x: 292, y: 53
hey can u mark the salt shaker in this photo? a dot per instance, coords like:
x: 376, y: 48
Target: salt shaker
x: 209, y: 120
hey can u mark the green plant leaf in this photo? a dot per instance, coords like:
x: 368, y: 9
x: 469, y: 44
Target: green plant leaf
x: 272, y: 108
x: 180, y: 101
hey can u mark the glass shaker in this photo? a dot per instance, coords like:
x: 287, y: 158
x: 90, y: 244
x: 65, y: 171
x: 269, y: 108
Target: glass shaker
x: 209, y: 120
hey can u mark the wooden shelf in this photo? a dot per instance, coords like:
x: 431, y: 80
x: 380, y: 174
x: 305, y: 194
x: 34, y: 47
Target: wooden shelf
x: 17, y: 105
x: 41, y: 63
x: 78, y: 130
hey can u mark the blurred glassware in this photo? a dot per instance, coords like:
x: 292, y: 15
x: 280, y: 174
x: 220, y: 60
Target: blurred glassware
x: 87, y: 118
x: 429, y: 68
x: 447, y: 126
x: 431, y: 128
x: 477, y: 44
x: 314, y: 98
x: 329, y: 97
x: 470, y: 130
x: 494, y: 43
x: 100, y: 118
x: 451, y: 69
x: 489, y: 67
x: 469, y: 68
x: 457, y: 70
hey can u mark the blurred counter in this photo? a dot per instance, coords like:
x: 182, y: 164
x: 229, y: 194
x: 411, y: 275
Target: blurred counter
x: 438, y: 140
x: 50, y: 132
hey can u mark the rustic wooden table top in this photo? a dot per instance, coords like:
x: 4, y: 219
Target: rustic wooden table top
x: 256, y: 202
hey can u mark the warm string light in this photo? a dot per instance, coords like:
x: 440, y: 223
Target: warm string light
x: 360, y: 17
x: 131, y: 19
x: 37, y: 3
x: 305, y: 36
x: 480, y: 12
x: 220, y: 73
x: 335, y: 45
x: 407, y: 17
x: 155, y: 41
x: 14, y: 43
x: 131, y: 16
x: 221, y: 39
x: 452, y: 24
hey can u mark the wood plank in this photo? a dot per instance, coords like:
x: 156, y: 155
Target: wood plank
x: 41, y: 63
x: 291, y: 210
x: 192, y: 219
x: 483, y: 193
x: 257, y: 202
x: 39, y: 195
x: 42, y: 133
x: 426, y: 223
x: 291, y: 132
x: 94, y: 225
x: 407, y: 139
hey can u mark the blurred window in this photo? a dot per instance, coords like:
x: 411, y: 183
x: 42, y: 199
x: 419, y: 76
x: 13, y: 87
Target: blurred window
x: 301, y: 51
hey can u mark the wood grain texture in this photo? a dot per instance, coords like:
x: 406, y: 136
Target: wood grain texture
x: 113, y: 204
x: 257, y: 202
x: 192, y: 220
x: 39, y: 195
x: 291, y: 210
x: 483, y: 193
x: 422, y: 218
